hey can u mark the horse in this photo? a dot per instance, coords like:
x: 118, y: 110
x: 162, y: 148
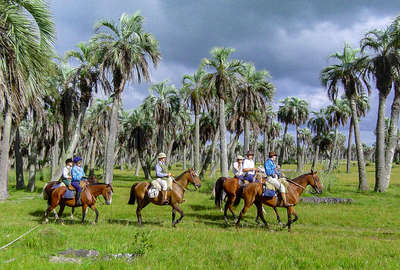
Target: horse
x: 89, y: 194
x: 139, y: 192
x: 252, y: 193
x: 233, y: 192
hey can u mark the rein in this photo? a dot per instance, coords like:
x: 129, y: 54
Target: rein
x: 176, y: 182
x: 294, y: 183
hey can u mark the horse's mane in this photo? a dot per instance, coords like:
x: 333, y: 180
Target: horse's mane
x: 97, y: 184
x: 179, y: 176
x: 303, y: 175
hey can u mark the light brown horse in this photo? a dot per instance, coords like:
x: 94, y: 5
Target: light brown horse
x: 139, y: 192
x: 89, y: 194
x: 252, y: 193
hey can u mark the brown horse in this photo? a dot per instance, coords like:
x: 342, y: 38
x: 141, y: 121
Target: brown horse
x: 233, y: 193
x: 252, y: 193
x: 89, y: 194
x: 139, y: 192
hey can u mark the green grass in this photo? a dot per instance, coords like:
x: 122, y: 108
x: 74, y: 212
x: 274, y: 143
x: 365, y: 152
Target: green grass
x: 363, y: 235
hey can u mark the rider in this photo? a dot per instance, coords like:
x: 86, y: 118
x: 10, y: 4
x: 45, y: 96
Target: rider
x: 77, y: 175
x: 249, y: 167
x: 273, y: 174
x: 165, y: 178
x: 238, y: 169
x: 66, y: 176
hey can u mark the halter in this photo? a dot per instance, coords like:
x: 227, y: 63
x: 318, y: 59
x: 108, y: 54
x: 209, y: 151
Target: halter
x: 185, y: 189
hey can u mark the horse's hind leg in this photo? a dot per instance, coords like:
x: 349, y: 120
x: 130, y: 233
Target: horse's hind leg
x: 260, y: 213
x: 141, y: 205
x: 228, y: 205
x: 84, y: 212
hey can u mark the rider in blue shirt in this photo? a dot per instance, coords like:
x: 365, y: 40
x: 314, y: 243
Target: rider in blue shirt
x: 77, y: 174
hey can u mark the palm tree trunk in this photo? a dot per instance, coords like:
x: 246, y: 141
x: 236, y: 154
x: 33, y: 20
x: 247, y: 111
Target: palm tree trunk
x: 184, y: 157
x: 298, y: 152
x: 196, y: 142
x: 392, y: 140
x: 169, y: 153
x: 222, y: 138
x: 137, y: 165
x: 246, y: 135
x: 5, y: 148
x: 110, y: 145
x: 266, y: 144
x: 349, y: 146
x: 19, y: 166
x: 283, y: 145
x: 380, y: 142
x: 362, y: 184
x: 303, y: 155
x: 332, y: 157
x: 92, y: 162
x: 32, y: 168
x: 315, y: 160
x: 213, y: 148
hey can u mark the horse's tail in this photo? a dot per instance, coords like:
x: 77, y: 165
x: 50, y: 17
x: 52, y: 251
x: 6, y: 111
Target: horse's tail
x: 132, y: 197
x: 219, y: 188
x: 238, y: 196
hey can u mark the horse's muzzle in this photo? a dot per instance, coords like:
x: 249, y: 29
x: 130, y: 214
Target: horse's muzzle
x: 197, y: 186
x: 108, y: 202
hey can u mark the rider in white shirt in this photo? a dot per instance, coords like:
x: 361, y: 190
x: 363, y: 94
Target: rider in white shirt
x: 238, y: 167
x: 249, y: 169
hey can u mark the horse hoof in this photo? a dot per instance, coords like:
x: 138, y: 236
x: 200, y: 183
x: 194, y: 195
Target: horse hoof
x: 93, y: 222
x: 72, y: 217
x: 45, y: 221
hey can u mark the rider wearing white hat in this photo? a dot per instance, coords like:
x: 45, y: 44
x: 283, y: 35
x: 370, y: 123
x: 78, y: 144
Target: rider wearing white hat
x: 164, y: 177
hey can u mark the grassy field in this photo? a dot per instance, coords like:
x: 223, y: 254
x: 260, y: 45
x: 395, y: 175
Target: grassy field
x: 362, y: 235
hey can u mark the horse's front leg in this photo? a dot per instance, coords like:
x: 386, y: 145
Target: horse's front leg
x: 60, y: 212
x: 84, y: 212
x: 289, y: 214
x: 176, y: 207
x: 228, y: 205
x: 278, y: 218
x: 72, y: 213
x: 96, y: 211
x: 260, y: 213
x: 173, y: 215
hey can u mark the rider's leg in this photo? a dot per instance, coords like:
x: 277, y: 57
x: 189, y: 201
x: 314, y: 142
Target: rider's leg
x: 283, y: 193
x: 164, y: 192
x: 78, y: 192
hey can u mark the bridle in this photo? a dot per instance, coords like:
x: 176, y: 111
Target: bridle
x: 316, y: 181
x: 191, y: 175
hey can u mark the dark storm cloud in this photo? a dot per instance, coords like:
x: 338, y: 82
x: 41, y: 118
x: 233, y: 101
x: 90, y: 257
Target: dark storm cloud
x: 291, y: 39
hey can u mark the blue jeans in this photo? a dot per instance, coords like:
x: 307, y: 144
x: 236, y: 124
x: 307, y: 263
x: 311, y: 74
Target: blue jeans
x: 76, y: 185
x: 249, y: 177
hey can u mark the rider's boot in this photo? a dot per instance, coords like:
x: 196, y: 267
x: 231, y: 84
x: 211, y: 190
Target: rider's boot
x: 284, y: 200
x: 78, y: 199
x: 165, y: 197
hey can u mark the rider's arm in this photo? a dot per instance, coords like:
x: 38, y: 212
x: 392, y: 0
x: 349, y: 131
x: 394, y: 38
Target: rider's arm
x: 65, y: 174
x: 159, y: 172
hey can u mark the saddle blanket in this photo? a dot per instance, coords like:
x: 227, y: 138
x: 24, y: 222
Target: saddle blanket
x: 69, y: 194
x: 268, y: 193
x: 153, y: 192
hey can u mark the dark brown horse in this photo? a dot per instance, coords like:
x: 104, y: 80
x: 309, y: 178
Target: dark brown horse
x: 89, y: 194
x: 233, y: 193
x: 139, y: 192
x: 252, y: 193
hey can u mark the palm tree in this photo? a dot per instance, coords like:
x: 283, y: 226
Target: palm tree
x: 293, y: 111
x: 383, y: 65
x: 338, y: 113
x: 349, y: 74
x: 274, y: 131
x: 254, y: 94
x: 363, y: 106
x: 318, y: 124
x: 224, y: 80
x: 306, y: 138
x: 193, y: 91
x: 124, y: 53
x: 164, y: 105
x: 27, y: 35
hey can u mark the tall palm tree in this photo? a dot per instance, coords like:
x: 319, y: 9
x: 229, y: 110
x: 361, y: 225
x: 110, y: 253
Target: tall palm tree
x: 318, y: 124
x: 224, y: 80
x: 274, y: 131
x: 383, y: 65
x: 124, y: 50
x: 254, y: 94
x: 349, y: 74
x: 194, y: 95
x: 338, y: 113
x: 27, y: 35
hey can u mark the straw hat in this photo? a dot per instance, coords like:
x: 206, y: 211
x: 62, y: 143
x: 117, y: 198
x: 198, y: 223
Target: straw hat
x: 239, y: 157
x: 161, y: 155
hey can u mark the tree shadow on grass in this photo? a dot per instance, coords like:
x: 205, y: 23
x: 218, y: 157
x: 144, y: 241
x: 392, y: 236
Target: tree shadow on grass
x: 200, y: 207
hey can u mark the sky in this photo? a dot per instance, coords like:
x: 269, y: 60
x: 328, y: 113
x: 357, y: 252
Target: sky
x: 291, y: 39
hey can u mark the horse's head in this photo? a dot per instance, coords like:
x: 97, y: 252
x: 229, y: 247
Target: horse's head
x: 315, y: 182
x: 194, y: 178
x: 107, y: 193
